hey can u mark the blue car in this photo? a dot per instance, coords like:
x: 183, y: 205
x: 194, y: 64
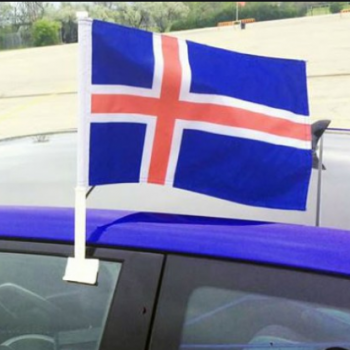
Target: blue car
x: 172, y: 282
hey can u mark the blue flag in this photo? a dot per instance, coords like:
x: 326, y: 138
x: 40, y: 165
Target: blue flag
x: 172, y: 112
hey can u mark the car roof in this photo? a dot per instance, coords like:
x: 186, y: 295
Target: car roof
x: 296, y: 246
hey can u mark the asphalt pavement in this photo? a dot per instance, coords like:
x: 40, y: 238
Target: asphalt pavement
x: 38, y: 85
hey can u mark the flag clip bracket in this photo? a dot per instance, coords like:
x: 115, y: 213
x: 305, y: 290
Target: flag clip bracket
x: 81, y: 270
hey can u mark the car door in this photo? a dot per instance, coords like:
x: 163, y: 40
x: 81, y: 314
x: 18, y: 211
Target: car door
x: 38, y: 310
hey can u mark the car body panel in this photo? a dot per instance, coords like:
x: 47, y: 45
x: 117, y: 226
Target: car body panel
x: 318, y: 249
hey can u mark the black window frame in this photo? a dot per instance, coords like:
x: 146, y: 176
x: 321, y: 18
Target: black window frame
x: 131, y: 311
x: 183, y: 274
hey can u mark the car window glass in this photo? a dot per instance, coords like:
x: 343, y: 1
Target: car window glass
x: 38, y: 310
x: 215, y: 304
x: 218, y: 317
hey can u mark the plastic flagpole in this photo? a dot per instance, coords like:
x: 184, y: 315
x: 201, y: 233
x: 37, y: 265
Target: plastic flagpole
x: 79, y: 269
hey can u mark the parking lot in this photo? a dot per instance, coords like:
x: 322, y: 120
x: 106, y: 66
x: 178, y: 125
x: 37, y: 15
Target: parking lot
x: 38, y: 86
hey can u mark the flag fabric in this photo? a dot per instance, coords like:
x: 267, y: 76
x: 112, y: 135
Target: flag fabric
x: 241, y: 4
x: 173, y: 112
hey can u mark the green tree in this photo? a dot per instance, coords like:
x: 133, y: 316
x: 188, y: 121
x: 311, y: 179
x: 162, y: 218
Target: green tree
x: 45, y: 32
x: 111, y: 5
x: 335, y: 7
x: 28, y: 12
x: 208, y: 14
x: 157, y: 16
x: 102, y: 12
x: 137, y: 14
x: 66, y: 15
x: 165, y: 13
x: 5, y: 14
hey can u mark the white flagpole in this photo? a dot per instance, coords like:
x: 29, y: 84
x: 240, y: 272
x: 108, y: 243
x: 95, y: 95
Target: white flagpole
x: 79, y: 269
x: 236, y: 11
x: 80, y: 223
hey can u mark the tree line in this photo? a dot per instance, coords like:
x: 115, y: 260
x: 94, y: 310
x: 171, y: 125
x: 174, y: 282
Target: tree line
x: 45, y: 23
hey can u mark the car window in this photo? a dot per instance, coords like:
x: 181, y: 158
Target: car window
x: 38, y: 310
x: 216, y: 316
x: 209, y: 304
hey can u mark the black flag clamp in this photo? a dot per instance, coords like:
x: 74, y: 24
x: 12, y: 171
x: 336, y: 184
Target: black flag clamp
x: 317, y: 130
